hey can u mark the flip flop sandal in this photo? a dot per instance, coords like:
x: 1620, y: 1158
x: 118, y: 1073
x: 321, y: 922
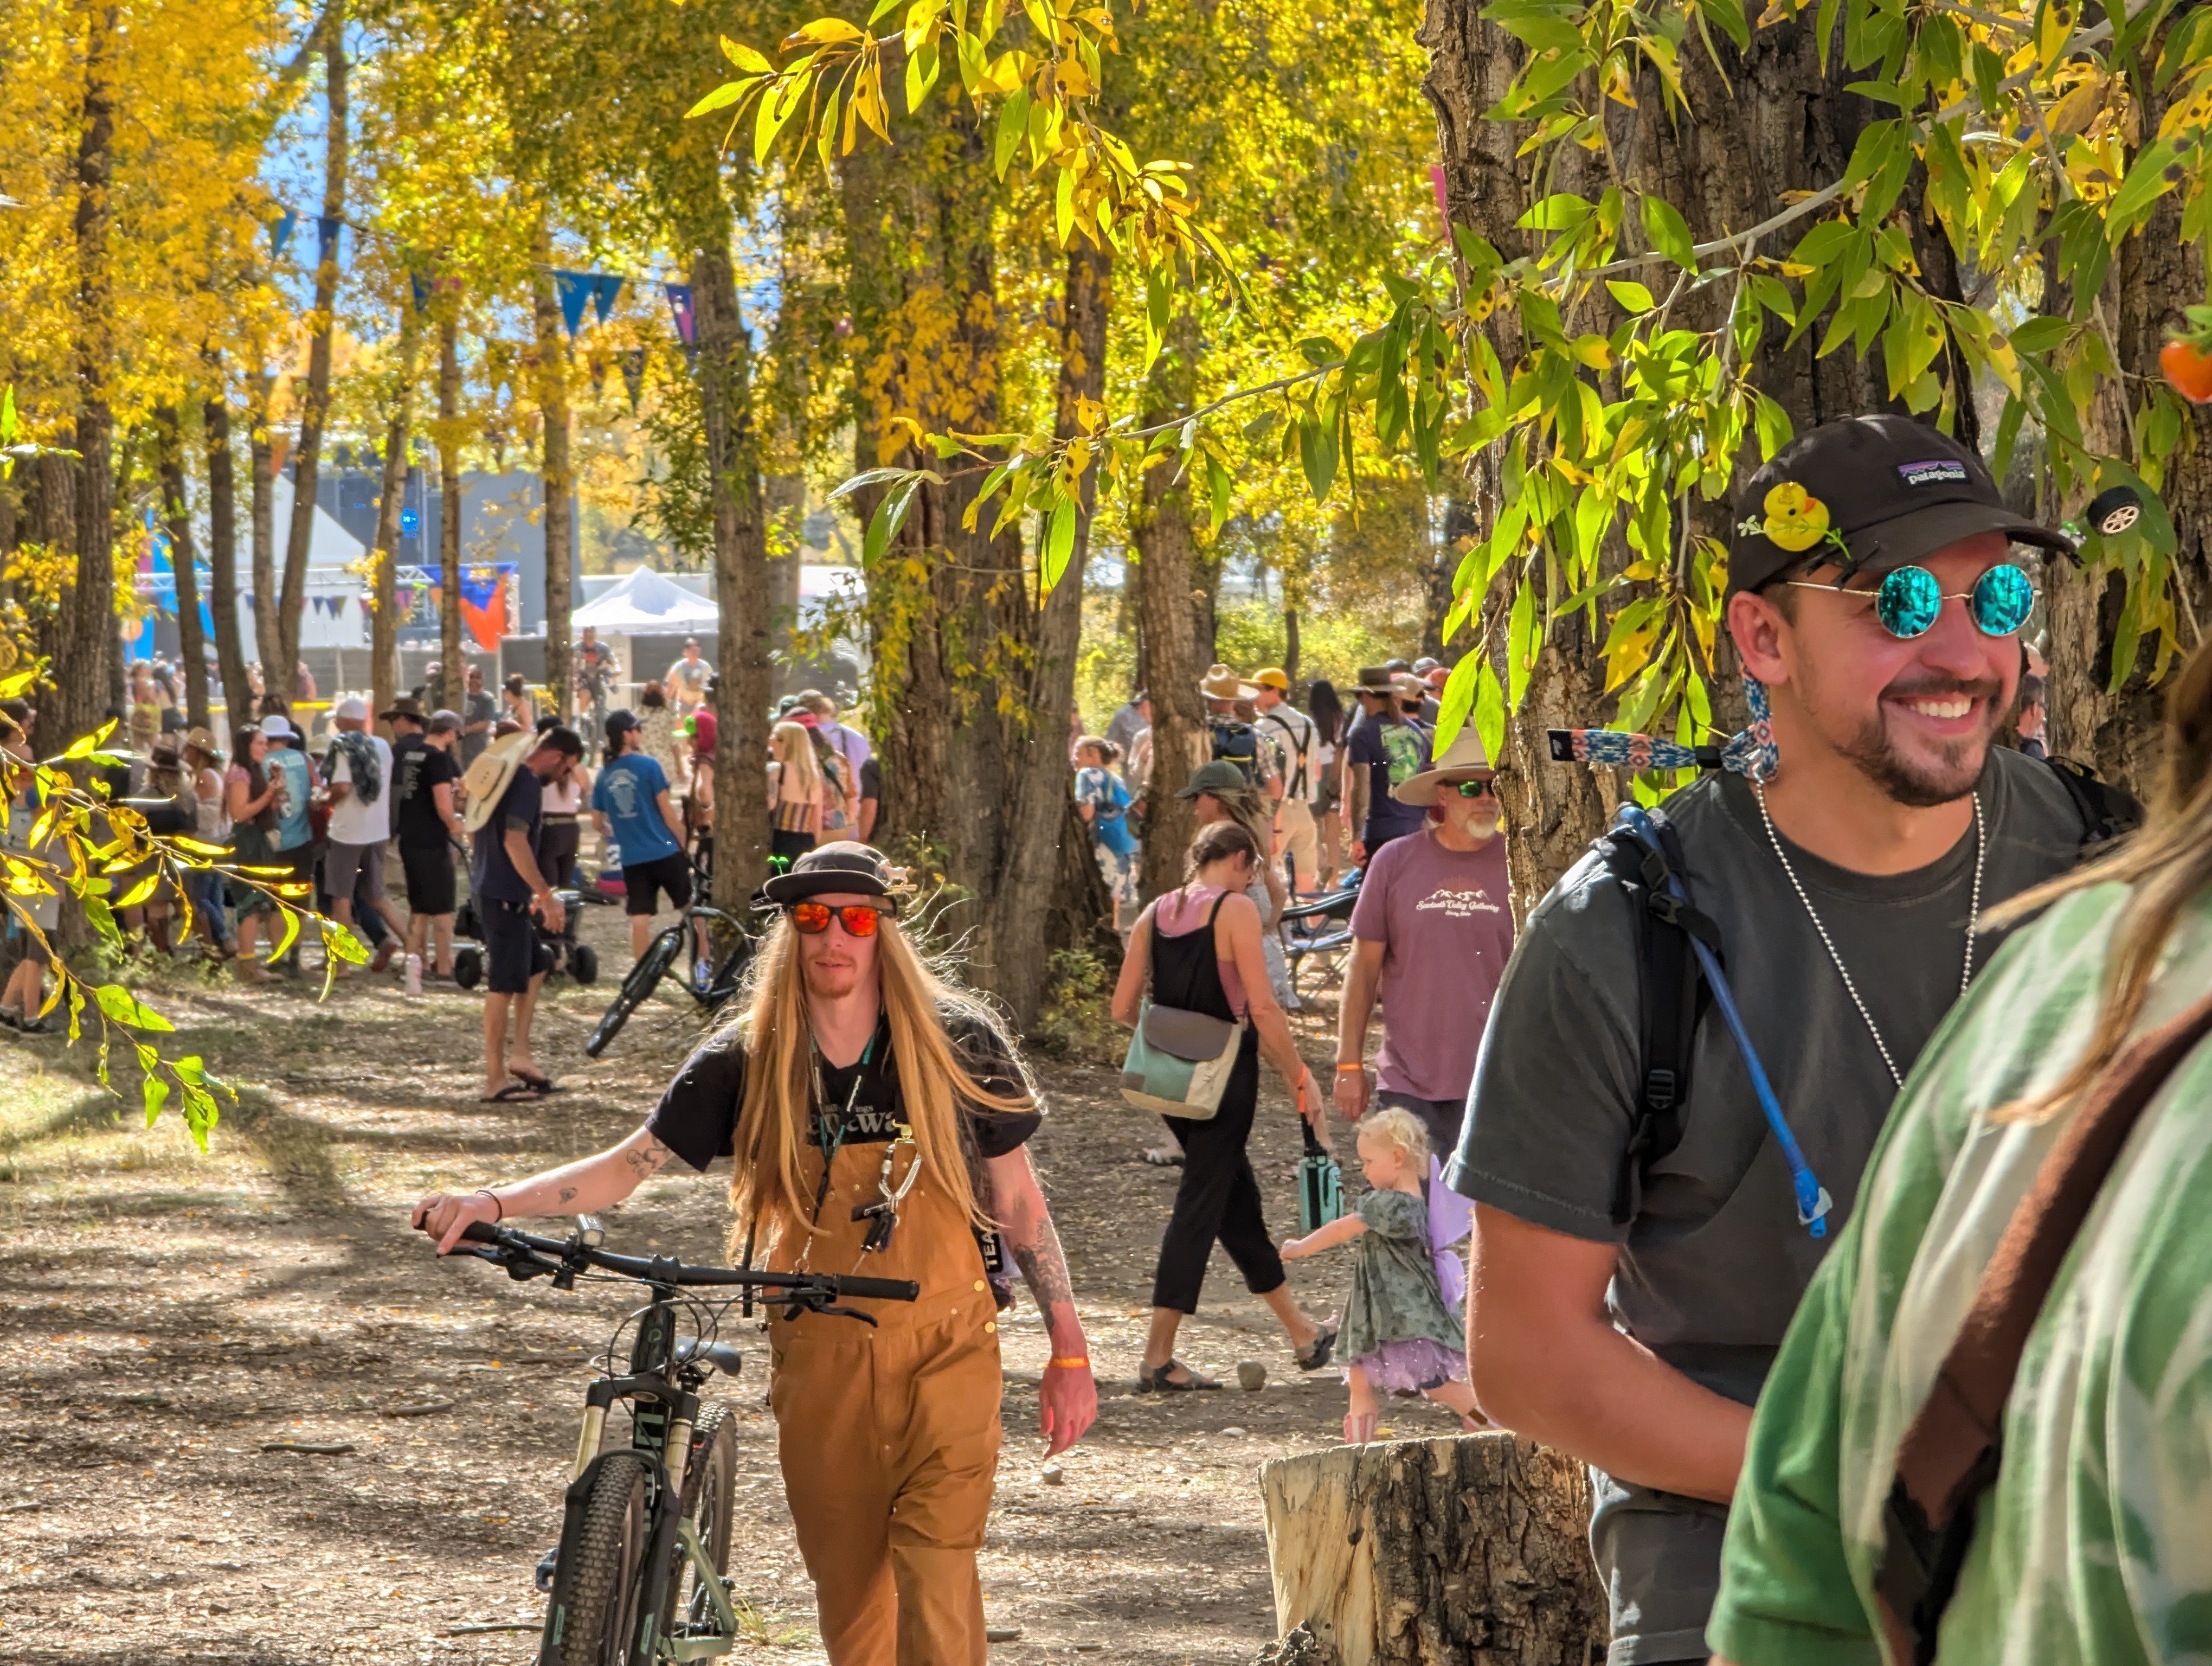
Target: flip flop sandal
x: 1150, y: 1381
x: 532, y: 1081
x: 512, y: 1094
x: 1318, y: 1351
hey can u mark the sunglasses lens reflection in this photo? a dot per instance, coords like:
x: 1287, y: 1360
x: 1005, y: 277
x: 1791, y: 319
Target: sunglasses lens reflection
x: 2003, y: 598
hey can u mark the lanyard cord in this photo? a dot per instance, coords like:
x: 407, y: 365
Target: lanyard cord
x: 831, y: 1143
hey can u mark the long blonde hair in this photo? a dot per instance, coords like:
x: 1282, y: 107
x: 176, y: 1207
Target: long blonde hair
x: 799, y: 768
x: 2165, y: 865
x: 767, y: 1190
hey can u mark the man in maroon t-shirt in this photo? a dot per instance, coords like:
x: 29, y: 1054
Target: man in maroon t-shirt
x: 1431, y: 933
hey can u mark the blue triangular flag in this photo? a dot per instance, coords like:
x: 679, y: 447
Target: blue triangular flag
x: 327, y: 232
x: 633, y: 369
x: 280, y: 232
x: 421, y: 286
x: 679, y: 302
x: 606, y: 289
x: 574, y: 289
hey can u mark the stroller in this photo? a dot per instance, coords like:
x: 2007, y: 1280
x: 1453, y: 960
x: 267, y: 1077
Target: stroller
x: 579, y: 960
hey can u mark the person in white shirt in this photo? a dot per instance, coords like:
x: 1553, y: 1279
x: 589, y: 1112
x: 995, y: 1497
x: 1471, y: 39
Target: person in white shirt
x: 358, y: 768
x: 1298, y: 773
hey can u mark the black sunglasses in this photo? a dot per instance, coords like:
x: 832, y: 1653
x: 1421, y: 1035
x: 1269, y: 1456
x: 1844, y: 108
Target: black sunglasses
x: 1476, y: 789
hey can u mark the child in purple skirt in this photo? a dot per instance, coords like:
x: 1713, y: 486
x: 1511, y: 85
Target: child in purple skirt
x: 1397, y: 1332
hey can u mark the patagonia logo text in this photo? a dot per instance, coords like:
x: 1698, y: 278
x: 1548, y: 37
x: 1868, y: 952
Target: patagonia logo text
x: 1935, y: 472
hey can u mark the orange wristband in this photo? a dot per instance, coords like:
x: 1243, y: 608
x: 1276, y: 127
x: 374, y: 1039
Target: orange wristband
x: 1081, y: 1362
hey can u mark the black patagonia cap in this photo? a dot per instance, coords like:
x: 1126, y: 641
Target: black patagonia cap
x: 1893, y: 489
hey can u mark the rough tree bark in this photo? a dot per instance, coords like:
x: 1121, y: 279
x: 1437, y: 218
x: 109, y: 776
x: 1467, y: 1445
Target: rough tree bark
x: 176, y: 513
x: 315, y: 402
x: 1168, y: 586
x: 88, y: 646
x: 1433, y: 1552
x: 2153, y: 277
x: 949, y: 613
x: 261, y: 460
x: 1769, y: 121
x: 741, y: 578
x: 384, y: 607
x: 1042, y: 818
x: 559, y: 478
x: 222, y: 560
x: 452, y: 677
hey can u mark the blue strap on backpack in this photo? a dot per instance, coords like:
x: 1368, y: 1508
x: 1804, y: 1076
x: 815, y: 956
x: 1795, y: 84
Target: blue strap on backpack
x: 1670, y: 904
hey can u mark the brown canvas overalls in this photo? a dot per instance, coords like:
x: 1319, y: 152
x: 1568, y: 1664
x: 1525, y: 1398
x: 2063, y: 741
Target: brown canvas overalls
x: 889, y: 1436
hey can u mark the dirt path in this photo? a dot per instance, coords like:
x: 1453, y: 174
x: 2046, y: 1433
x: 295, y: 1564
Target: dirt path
x: 169, y: 1313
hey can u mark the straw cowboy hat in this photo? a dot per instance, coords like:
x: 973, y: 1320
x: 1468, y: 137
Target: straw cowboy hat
x: 1462, y: 758
x: 1220, y: 683
x: 488, y: 779
x: 1376, y: 679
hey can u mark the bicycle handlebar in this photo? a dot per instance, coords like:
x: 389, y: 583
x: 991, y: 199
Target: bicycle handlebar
x: 659, y: 1269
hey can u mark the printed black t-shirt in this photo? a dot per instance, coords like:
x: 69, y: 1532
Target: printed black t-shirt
x: 697, y: 1116
x: 417, y: 769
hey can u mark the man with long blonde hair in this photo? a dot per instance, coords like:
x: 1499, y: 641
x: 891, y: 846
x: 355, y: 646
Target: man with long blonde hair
x: 878, y: 1118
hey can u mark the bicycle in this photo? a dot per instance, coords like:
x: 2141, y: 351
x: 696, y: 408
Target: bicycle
x: 641, y: 1575
x: 709, y: 981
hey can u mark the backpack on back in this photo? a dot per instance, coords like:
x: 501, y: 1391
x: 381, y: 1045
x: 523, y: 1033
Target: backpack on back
x: 1672, y: 992
x: 1238, y: 744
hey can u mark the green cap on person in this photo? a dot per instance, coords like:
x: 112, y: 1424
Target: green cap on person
x: 1219, y: 776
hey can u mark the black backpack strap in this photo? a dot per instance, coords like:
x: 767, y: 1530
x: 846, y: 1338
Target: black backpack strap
x: 2108, y: 810
x: 1668, y: 991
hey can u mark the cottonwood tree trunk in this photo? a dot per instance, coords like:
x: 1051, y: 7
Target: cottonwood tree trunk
x: 261, y: 460
x: 1769, y: 122
x: 384, y: 607
x: 1168, y: 591
x: 950, y: 618
x: 452, y: 673
x: 315, y: 403
x: 1432, y: 1553
x: 2153, y: 275
x: 741, y: 578
x: 88, y: 645
x: 176, y: 512
x: 222, y: 561
x: 559, y: 479
x: 1042, y: 819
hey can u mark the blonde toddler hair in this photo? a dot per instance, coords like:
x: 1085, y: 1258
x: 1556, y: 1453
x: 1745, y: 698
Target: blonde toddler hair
x: 1401, y: 1129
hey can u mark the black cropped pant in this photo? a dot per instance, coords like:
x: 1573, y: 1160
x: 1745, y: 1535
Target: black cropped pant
x: 1219, y: 1197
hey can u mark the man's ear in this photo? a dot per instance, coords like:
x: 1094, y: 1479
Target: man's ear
x: 1762, y: 637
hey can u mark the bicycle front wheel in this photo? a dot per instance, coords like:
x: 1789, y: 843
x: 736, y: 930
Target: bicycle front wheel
x: 659, y: 955
x: 602, y: 1573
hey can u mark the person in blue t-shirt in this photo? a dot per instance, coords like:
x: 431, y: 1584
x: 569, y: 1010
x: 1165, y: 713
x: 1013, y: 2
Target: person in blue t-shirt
x: 630, y: 805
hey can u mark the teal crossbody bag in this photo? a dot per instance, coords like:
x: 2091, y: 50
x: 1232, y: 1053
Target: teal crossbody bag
x: 1179, y: 1063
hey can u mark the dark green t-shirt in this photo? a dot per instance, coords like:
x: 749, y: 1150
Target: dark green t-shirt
x: 1712, y: 1267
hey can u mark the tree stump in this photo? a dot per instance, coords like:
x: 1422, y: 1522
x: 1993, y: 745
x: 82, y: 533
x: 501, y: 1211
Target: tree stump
x: 1470, y: 1550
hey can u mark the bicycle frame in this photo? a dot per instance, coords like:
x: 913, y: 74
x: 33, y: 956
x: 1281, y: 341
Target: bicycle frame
x: 662, y: 1383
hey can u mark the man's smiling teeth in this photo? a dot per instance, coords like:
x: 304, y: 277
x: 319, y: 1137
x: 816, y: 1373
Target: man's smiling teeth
x: 1955, y: 706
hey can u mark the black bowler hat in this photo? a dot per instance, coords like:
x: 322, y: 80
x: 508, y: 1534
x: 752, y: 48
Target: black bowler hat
x: 841, y: 864
x: 1894, y: 491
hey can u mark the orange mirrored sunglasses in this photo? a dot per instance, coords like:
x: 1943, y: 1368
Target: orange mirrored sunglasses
x: 813, y: 918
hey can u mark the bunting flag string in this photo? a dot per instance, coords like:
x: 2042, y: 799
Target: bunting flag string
x: 280, y: 231
x: 606, y: 289
x: 575, y: 289
x: 679, y: 303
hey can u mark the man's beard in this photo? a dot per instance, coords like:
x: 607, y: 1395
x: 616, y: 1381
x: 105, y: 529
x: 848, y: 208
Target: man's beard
x: 1913, y: 784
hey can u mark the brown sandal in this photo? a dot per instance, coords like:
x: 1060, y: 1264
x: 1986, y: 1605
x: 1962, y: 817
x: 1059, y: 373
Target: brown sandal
x: 1150, y: 1381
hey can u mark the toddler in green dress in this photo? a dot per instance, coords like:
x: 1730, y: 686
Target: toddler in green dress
x: 1397, y: 1332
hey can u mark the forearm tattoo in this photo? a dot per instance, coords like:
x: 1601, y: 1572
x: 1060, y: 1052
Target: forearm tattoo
x: 1044, y: 1268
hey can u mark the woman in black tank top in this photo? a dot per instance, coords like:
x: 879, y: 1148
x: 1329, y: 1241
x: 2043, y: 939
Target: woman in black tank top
x: 1218, y: 1199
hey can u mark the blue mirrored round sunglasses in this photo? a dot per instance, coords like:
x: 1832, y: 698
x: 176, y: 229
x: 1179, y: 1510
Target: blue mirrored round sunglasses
x: 1910, y: 598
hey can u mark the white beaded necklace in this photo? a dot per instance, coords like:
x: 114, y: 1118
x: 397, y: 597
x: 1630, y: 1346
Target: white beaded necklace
x: 1973, y: 918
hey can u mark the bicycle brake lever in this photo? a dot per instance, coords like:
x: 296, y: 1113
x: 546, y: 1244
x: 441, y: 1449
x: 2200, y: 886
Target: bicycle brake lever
x: 847, y: 1313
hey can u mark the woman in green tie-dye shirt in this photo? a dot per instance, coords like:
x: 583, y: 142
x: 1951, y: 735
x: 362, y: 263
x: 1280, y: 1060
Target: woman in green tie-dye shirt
x: 2095, y: 1543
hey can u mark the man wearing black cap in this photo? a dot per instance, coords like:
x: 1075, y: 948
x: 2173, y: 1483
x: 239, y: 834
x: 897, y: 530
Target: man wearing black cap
x: 878, y: 1118
x: 630, y: 807
x: 1634, y: 1272
x: 427, y: 825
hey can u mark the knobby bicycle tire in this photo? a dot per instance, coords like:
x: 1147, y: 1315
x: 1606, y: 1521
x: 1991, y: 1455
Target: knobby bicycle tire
x: 711, y: 1493
x: 644, y: 977
x: 605, y: 1571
